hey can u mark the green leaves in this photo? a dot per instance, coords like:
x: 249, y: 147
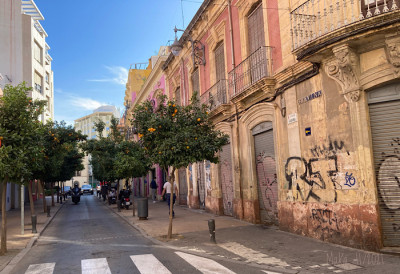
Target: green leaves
x: 112, y: 158
x: 18, y: 128
x: 176, y: 136
x: 31, y: 149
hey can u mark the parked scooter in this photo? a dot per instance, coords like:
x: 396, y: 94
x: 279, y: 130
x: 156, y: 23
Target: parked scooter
x: 112, y: 197
x: 76, y: 194
x: 124, y: 198
x: 126, y: 202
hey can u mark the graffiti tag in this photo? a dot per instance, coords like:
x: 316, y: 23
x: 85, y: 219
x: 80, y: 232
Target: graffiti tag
x: 350, y: 180
x: 326, y: 219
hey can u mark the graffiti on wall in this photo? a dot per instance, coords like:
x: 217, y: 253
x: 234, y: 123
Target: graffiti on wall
x: 227, y: 186
x: 208, y: 174
x: 266, y: 175
x: 325, y: 220
x: 389, y: 182
x: 309, y: 179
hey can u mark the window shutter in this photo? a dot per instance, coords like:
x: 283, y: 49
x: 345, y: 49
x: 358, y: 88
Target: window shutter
x: 256, y: 29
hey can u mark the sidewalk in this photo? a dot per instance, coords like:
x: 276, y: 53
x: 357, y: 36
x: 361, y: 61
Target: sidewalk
x: 256, y: 245
x: 18, y: 244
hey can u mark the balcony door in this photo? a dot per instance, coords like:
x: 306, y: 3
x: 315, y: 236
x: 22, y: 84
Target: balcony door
x: 220, y: 74
x: 257, y: 57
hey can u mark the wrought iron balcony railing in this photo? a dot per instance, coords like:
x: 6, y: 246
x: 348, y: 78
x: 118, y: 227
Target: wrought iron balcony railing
x: 316, y: 18
x: 252, y: 69
x: 216, y: 95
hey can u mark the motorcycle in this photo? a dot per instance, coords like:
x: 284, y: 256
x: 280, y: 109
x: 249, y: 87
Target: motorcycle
x: 112, y: 199
x: 126, y: 202
x: 76, y: 195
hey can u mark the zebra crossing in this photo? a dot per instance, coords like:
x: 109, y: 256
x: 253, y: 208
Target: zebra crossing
x: 145, y: 263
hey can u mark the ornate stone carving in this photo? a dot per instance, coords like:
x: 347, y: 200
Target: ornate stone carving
x: 393, y: 51
x: 343, y: 69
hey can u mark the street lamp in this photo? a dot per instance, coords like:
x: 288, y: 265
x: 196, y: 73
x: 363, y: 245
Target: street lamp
x: 198, y: 48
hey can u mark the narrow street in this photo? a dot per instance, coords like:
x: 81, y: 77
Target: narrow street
x: 89, y: 238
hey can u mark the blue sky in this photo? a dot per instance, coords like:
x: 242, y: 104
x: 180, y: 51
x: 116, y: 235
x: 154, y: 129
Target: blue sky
x: 94, y: 42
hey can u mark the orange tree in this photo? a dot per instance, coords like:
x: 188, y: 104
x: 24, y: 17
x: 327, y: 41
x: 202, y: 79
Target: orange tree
x: 175, y: 136
x: 19, y: 128
x: 113, y: 158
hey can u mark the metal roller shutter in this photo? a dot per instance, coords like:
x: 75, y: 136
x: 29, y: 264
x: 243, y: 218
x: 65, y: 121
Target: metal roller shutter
x: 183, y: 188
x: 266, y: 172
x: 226, y: 179
x: 385, y: 129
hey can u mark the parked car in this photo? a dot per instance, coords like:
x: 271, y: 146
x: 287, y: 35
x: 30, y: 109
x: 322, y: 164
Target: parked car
x: 87, y: 189
x: 66, y: 190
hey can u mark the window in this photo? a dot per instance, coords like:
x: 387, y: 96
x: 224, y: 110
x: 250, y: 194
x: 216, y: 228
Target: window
x: 48, y: 103
x: 195, y: 82
x: 178, y: 95
x: 47, y: 77
x: 38, y: 82
x: 256, y: 29
x: 78, y: 173
x: 219, y: 62
x: 220, y: 74
x: 37, y: 52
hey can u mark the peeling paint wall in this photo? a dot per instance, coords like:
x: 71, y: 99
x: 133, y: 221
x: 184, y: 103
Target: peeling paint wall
x: 323, y: 193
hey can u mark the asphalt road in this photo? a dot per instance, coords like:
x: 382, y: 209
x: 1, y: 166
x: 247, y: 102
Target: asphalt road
x: 89, y: 238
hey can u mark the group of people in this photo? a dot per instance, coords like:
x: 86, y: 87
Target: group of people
x: 167, y: 187
x: 106, y: 191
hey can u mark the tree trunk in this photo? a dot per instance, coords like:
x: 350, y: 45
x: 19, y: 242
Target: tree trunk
x: 44, y: 196
x: 3, y: 249
x: 52, y: 194
x: 58, y: 192
x: 133, y: 202
x: 31, y: 199
x: 171, y: 202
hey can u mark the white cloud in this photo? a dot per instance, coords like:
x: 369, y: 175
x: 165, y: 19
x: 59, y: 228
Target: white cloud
x: 84, y: 103
x: 119, y: 75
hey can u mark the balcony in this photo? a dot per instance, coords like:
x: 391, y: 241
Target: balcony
x: 251, y: 72
x: 318, y: 21
x: 216, y: 95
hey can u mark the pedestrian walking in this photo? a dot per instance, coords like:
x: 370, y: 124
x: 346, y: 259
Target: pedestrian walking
x: 153, y: 190
x: 167, y: 189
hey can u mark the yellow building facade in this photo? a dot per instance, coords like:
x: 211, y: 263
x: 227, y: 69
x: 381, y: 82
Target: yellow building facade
x: 309, y: 94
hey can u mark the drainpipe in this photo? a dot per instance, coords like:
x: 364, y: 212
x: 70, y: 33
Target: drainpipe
x: 236, y: 111
x: 231, y: 32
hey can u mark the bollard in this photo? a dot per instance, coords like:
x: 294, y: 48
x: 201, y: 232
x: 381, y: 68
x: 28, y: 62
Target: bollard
x: 211, y: 228
x: 61, y: 199
x: 48, y: 211
x: 34, y: 220
x: 119, y: 205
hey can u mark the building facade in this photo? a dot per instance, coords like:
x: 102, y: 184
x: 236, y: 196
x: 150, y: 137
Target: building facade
x: 308, y: 92
x: 24, y: 57
x: 86, y: 126
x: 151, y: 88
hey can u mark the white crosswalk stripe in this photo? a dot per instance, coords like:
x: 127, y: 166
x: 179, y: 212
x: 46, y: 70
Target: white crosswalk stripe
x: 95, y: 266
x: 41, y: 268
x: 148, y: 264
x: 145, y: 263
x: 204, y: 265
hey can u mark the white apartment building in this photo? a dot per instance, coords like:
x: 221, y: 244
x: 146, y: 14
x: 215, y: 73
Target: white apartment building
x: 86, y: 126
x: 24, y: 57
x: 24, y: 52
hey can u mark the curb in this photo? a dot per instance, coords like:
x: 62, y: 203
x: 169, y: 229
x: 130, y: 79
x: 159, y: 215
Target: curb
x: 206, y: 255
x: 10, y: 266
